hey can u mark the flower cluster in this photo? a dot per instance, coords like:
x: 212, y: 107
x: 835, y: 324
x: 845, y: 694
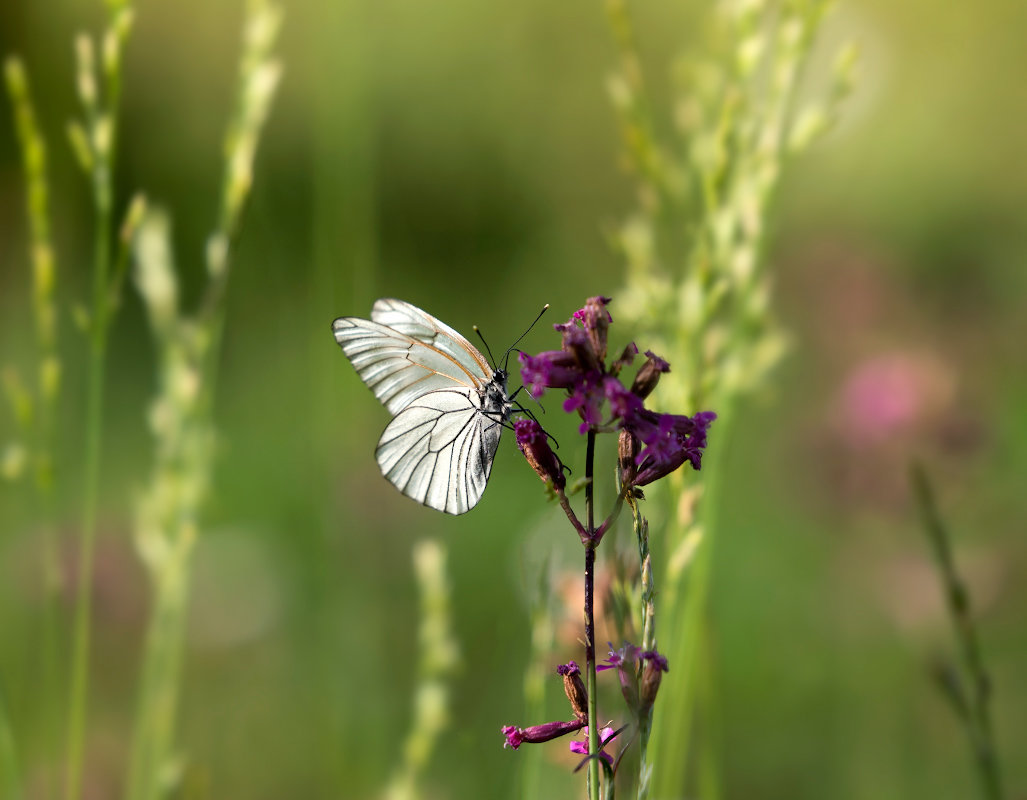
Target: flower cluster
x: 658, y: 443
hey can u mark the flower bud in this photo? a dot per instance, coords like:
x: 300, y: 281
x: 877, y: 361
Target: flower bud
x: 649, y: 374
x: 534, y: 443
x: 652, y: 673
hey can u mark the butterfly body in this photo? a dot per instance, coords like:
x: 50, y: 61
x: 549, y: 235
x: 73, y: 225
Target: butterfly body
x: 449, y: 405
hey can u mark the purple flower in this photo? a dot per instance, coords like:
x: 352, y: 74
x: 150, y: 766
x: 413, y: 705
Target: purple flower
x: 624, y: 405
x: 669, y: 440
x: 515, y: 737
x: 534, y: 443
x: 606, y: 736
x: 552, y: 369
x: 587, y: 399
x: 619, y: 658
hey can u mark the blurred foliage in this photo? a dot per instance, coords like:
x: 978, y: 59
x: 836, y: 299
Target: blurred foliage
x: 464, y: 156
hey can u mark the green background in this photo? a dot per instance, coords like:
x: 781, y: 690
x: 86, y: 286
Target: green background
x: 463, y: 156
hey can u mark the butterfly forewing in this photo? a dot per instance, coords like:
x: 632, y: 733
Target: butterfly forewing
x: 396, y: 367
x: 417, y: 324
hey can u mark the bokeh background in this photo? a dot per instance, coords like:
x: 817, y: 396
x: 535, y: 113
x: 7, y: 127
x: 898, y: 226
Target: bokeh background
x: 464, y: 156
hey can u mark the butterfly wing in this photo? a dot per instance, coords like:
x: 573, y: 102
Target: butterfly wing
x: 399, y: 368
x: 439, y: 450
x: 422, y: 326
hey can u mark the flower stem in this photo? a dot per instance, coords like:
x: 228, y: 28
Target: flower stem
x: 590, y: 644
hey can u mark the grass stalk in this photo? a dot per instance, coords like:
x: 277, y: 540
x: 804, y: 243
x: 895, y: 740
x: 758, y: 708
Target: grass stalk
x: 972, y: 708
x: 100, y: 113
x: 44, y: 278
x: 439, y: 658
x: 10, y: 774
x: 697, y: 288
x: 182, y: 418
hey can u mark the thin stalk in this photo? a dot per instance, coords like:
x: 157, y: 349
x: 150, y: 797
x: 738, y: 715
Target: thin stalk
x: 977, y: 716
x: 44, y: 276
x: 10, y: 781
x: 590, y: 645
x: 94, y: 438
x: 101, y: 119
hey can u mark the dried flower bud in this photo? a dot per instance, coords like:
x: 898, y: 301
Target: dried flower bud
x: 574, y: 688
x: 628, y: 448
x: 649, y: 374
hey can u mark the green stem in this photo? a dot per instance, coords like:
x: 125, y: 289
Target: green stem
x: 94, y: 436
x: 103, y: 118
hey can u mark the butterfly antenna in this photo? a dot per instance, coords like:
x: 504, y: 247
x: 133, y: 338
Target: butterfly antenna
x: 487, y: 348
x: 510, y: 349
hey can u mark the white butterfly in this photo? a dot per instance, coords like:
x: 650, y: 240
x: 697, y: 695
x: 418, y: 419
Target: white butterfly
x: 449, y: 405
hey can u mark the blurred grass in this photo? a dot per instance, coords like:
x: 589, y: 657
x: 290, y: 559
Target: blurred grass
x: 464, y: 157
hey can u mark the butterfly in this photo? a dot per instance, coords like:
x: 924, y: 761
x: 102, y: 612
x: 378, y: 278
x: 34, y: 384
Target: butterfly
x: 449, y: 406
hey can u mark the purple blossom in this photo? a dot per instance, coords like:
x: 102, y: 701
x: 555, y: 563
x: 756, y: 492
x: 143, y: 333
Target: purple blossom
x: 606, y: 735
x: 587, y: 398
x: 624, y: 405
x: 515, y: 736
x: 670, y: 440
x: 654, y: 445
x: 618, y: 658
x: 552, y: 369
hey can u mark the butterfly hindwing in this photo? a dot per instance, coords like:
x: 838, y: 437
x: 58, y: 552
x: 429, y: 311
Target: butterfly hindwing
x: 439, y: 450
